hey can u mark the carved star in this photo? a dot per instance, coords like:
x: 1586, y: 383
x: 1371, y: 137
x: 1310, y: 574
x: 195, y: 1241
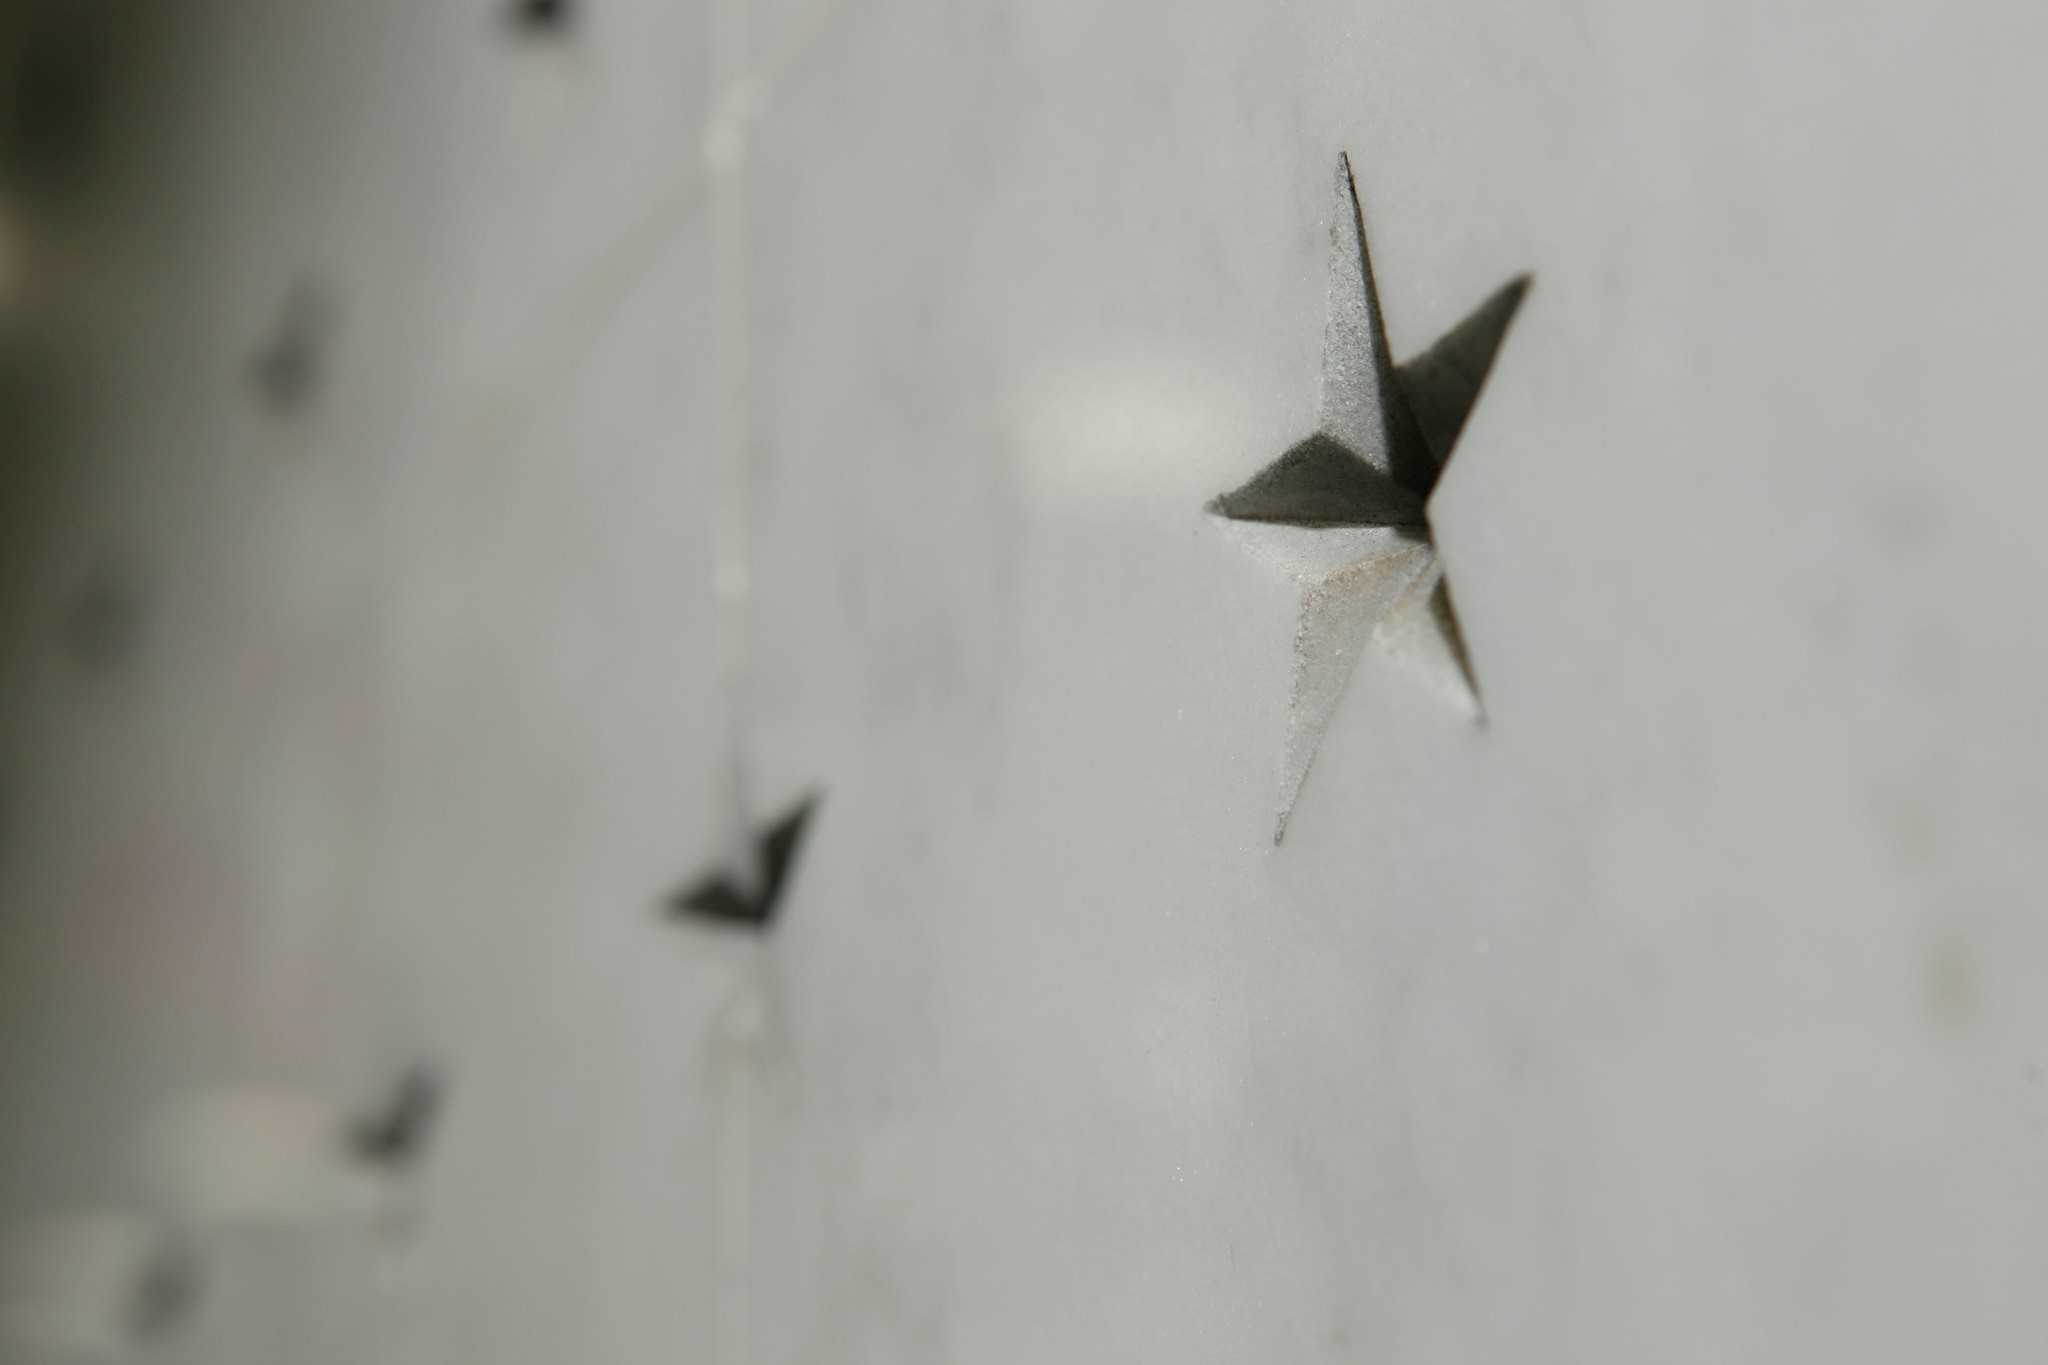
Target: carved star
x: 1353, y: 498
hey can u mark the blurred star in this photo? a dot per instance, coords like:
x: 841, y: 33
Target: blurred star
x: 288, y: 367
x: 541, y: 16
x: 730, y: 898
x: 395, y: 1137
x: 103, y: 627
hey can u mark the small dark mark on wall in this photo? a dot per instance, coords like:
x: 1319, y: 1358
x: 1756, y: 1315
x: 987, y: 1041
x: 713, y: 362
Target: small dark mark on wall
x: 288, y: 368
x: 395, y: 1138
x: 750, y: 902
x: 167, y: 1293
x: 541, y: 16
x: 103, y: 626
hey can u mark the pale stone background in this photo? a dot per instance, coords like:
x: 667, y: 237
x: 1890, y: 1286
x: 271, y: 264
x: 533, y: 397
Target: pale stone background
x: 838, y: 382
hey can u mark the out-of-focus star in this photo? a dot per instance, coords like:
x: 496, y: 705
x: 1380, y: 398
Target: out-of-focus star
x: 743, y: 897
x: 394, y: 1136
x: 287, y: 369
x: 541, y: 16
x: 1348, y: 506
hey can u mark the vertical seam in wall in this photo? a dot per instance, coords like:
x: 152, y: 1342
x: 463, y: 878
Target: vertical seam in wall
x: 725, y: 153
x: 742, y: 91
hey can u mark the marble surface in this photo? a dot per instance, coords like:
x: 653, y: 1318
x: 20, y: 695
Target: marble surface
x: 766, y: 395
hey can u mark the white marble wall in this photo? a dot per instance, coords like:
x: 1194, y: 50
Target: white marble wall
x: 839, y: 382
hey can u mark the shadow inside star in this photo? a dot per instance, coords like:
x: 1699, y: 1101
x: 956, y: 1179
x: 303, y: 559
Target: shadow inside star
x: 1321, y: 481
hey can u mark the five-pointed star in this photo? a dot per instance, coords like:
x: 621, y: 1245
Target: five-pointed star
x: 1354, y: 496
